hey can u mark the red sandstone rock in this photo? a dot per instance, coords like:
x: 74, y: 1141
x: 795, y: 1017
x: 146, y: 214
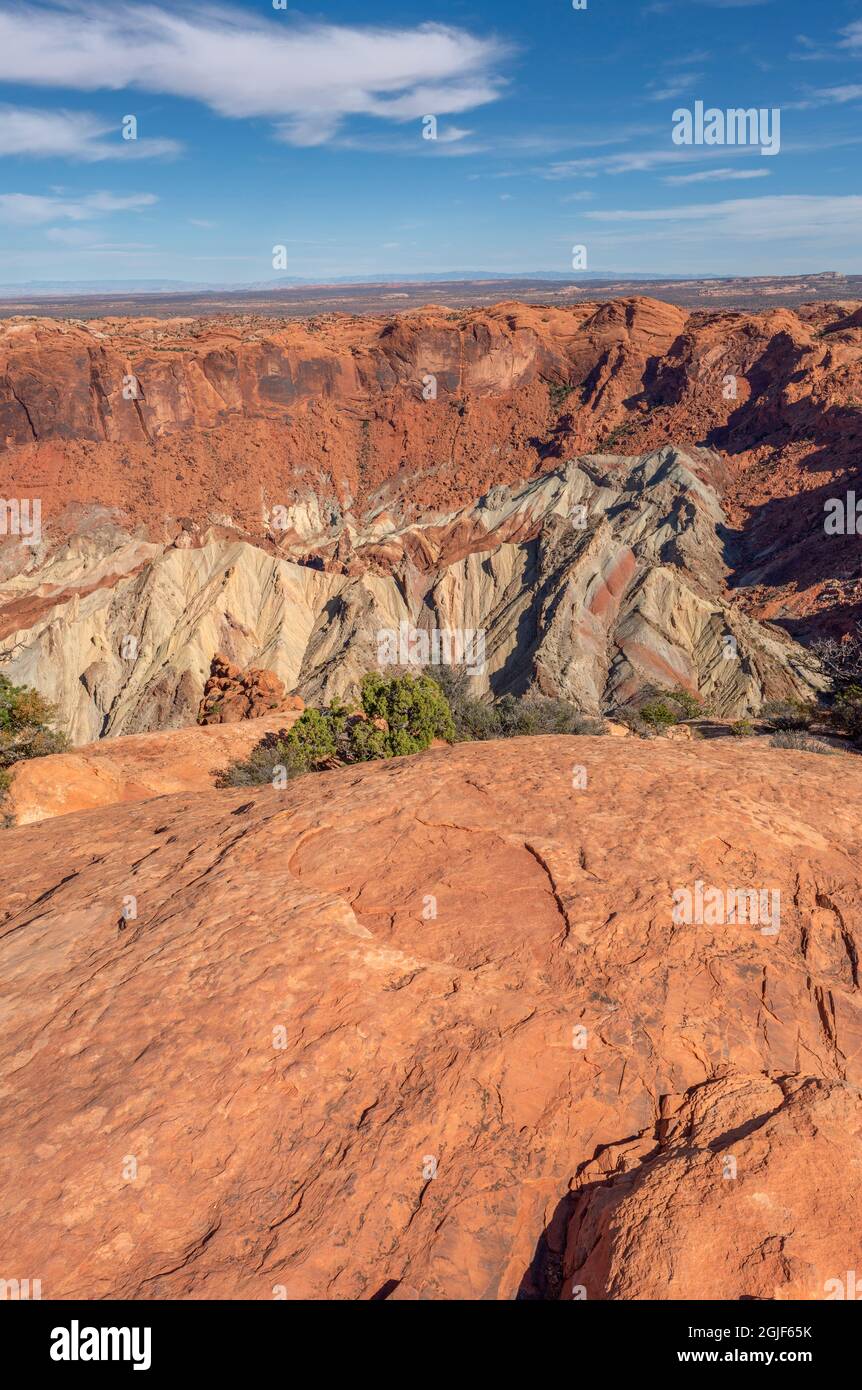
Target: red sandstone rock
x: 339, y: 1049
x: 758, y: 1158
x: 132, y: 768
x: 231, y: 695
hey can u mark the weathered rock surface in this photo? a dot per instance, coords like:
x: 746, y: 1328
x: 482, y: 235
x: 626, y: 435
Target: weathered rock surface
x: 759, y: 1160
x: 339, y: 1050
x: 134, y: 768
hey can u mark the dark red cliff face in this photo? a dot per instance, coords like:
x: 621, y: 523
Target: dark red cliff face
x: 216, y: 421
x: 133, y: 381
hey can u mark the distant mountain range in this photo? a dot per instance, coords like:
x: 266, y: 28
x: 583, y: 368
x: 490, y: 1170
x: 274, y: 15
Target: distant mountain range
x: 28, y: 288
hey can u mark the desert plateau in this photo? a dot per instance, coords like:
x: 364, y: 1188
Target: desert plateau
x: 430, y: 678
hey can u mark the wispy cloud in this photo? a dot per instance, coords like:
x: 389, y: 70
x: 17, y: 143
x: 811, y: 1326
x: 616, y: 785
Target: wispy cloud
x: 42, y: 134
x: 851, y: 37
x: 802, y: 216
x: 450, y: 141
x: 714, y: 175
x: 641, y: 161
x: 665, y: 6
x: 31, y: 209
x: 809, y: 52
x: 78, y: 239
x: 673, y: 87
x: 688, y: 60
x: 827, y: 96
x: 307, y: 77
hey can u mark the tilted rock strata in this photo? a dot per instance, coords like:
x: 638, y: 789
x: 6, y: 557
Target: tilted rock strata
x: 338, y: 1053
x: 585, y: 583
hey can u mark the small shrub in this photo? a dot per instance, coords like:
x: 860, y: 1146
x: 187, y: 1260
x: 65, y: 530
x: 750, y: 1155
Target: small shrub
x: 798, y: 739
x: 742, y: 728
x: 510, y: 716
x: 21, y: 707
x: 472, y: 719
x: 415, y: 709
x: 314, y: 737
x: 659, y: 714
x: 656, y: 710
x: 557, y: 395
x: 846, y: 712
x: 690, y: 706
x: 841, y: 658
x: 400, y: 714
x: 630, y: 717
x: 788, y: 714
x: 537, y: 714
x: 26, y: 720
x: 615, y: 435
x: 273, y: 757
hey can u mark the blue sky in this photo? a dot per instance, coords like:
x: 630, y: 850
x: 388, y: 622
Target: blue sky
x: 303, y: 127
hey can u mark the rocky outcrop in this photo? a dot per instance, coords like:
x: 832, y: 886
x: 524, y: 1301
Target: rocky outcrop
x: 429, y: 1029
x: 587, y: 583
x: 134, y: 768
x: 756, y: 1157
x: 231, y: 694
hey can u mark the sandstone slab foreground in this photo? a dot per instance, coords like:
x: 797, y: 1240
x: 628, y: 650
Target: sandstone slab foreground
x: 428, y: 1029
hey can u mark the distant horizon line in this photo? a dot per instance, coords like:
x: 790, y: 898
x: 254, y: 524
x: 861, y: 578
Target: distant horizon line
x: 164, y: 286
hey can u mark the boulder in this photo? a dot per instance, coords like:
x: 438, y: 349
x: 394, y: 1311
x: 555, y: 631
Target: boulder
x: 231, y: 695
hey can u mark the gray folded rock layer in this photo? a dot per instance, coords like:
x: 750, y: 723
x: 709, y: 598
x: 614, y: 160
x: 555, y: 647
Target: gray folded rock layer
x: 586, y: 583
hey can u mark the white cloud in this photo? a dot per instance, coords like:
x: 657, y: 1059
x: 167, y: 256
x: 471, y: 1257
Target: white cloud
x: 640, y: 161
x: 708, y: 175
x: 851, y: 37
x: 797, y: 216
x: 688, y: 60
x: 71, y: 135
x: 672, y: 87
x: 451, y: 133
x: 827, y: 96
x: 32, y: 209
x: 307, y: 77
